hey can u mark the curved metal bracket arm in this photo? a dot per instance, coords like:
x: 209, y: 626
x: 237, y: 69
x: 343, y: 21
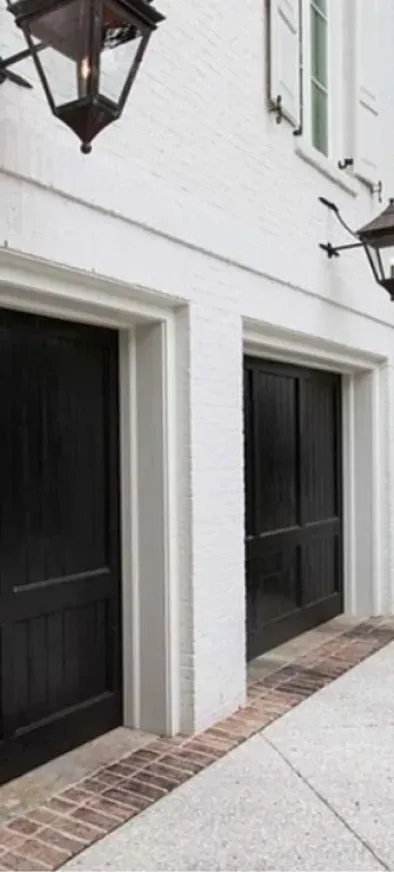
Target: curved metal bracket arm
x: 333, y: 250
x: 5, y: 63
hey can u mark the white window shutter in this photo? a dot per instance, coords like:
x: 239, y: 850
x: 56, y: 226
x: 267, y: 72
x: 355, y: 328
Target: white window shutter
x: 284, y: 54
x: 366, y: 133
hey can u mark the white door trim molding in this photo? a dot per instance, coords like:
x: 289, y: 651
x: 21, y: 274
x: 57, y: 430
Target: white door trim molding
x: 27, y: 282
x: 36, y: 287
x: 295, y: 348
x: 364, y: 435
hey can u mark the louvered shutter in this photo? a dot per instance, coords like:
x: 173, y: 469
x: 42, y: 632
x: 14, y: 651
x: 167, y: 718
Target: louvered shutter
x: 366, y: 134
x: 284, y: 56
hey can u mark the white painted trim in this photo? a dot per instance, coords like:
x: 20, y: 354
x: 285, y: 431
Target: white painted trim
x: 326, y: 164
x: 298, y: 349
x: 376, y: 493
x: 326, y: 167
x: 38, y: 287
x: 35, y: 285
x: 349, y: 494
x: 129, y: 514
x: 171, y: 537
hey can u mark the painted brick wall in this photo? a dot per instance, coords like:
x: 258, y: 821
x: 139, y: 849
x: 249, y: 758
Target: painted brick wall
x: 217, y: 496
x: 198, y: 195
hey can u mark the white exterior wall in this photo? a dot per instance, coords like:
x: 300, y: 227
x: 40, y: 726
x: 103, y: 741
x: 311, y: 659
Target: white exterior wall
x: 198, y: 200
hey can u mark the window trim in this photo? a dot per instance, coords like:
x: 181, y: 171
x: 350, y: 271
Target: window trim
x: 314, y: 82
x: 306, y: 80
x: 307, y: 152
x: 337, y: 139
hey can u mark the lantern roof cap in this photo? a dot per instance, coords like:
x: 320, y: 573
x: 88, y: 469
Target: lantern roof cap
x: 379, y: 233
x: 25, y: 9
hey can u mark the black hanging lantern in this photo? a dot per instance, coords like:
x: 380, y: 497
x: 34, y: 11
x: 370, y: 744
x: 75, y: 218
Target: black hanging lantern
x: 375, y: 238
x: 87, y: 54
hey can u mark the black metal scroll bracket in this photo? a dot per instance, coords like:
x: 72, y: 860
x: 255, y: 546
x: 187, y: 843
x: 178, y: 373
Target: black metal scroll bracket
x: 7, y: 75
x: 334, y: 250
x: 277, y: 108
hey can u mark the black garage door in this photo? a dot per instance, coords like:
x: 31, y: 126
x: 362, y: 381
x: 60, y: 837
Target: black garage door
x: 293, y: 501
x: 59, y: 538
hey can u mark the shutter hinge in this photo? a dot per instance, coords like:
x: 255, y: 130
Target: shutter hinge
x: 277, y: 107
x: 378, y: 189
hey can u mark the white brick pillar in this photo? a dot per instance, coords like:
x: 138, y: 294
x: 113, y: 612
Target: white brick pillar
x: 212, y: 566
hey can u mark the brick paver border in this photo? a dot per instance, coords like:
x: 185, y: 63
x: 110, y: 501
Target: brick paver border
x: 51, y: 834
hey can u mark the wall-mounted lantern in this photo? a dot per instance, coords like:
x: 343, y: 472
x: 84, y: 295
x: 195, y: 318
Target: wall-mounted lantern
x: 86, y: 53
x: 376, y: 238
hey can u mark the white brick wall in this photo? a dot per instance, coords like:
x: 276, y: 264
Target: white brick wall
x: 217, y: 500
x: 198, y: 195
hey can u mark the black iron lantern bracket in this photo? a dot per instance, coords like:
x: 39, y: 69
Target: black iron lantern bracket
x: 5, y: 63
x: 374, y: 238
x: 334, y: 250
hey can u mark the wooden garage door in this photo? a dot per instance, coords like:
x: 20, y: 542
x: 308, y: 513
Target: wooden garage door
x: 59, y: 538
x: 293, y: 501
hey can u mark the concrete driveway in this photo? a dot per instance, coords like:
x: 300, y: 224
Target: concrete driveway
x: 314, y: 791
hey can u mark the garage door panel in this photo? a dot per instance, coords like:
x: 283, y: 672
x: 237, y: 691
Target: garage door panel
x: 275, y: 584
x: 56, y: 663
x: 33, y: 747
x: 273, y: 589
x: 320, y: 577
x: 56, y: 522
x: 293, y: 500
x: 59, y: 538
x: 42, y: 598
x: 276, y: 451
x: 318, y: 421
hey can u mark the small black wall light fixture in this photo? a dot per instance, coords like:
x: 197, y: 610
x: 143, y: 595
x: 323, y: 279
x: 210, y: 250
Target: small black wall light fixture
x: 374, y: 238
x: 87, y: 54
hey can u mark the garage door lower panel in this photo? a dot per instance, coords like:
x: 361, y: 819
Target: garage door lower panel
x: 59, y: 538
x: 293, y: 501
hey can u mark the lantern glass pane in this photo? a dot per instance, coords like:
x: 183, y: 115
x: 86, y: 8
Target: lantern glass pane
x: 66, y: 61
x: 121, y: 39
x: 385, y: 256
x: 375, y: 259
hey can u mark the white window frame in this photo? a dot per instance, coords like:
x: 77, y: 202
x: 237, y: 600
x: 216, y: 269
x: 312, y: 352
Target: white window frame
x: 313, y: 6
x: 340, y: 97
x: 306, y: 74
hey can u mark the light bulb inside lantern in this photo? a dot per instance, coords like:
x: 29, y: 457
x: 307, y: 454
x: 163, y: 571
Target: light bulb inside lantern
x: 83, y: 77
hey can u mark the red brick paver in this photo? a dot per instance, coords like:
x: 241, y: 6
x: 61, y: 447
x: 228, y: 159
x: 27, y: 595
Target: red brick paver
x: 47, y: 836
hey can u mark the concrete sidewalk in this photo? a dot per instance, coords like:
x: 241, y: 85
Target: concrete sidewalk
x: 314, y: 791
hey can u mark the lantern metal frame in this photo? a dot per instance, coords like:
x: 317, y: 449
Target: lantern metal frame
x: 88, y: 114
x: 373, y: 237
